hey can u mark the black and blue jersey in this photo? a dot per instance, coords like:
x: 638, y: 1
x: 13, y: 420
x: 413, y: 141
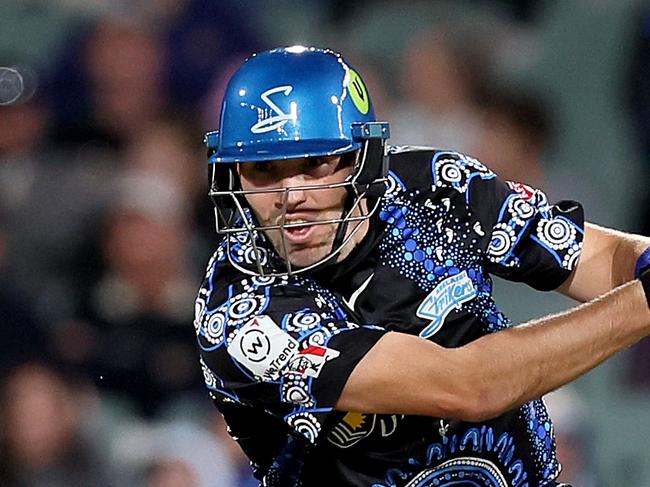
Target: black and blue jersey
x: 277, y: 351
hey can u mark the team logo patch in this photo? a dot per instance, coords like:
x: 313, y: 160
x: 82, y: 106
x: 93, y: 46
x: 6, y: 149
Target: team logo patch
x: 263, y: 348
x: 310, y: 361
x: 448, y: 295
x: 273, y: 118
x: 354, y: 427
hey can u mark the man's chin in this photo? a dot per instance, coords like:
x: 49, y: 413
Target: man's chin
x: 306, y: 257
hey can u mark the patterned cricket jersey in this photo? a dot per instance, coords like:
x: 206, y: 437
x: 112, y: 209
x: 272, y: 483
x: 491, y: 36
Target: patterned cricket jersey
x: 276, y: 351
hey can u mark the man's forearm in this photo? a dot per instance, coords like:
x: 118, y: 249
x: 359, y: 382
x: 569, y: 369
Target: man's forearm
x: 629, y: 249
x: 523, y: 363
x: 405, y: 374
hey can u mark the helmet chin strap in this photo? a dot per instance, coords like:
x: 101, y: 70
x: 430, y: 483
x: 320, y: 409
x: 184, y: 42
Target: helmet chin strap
x: 341, y: 231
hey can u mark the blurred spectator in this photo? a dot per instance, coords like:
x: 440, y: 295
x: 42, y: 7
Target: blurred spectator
x: 202, y: 38
x: 170, y: 473
x: 45, y: 441
x: 440, y: 83
x: 21, y: 337
x: 135, y: 335
x: 514, y: 136
x: 171, y: 148
x: 239, y: 460
x: 640, y: 103
x: 46, y: 23
x: 109, y: 84
x: 639, y: 99
x: 177, y: 453
x: 51, y: 201
x: 572, y: 436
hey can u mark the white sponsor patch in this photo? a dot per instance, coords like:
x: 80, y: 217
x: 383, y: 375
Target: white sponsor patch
x: 309, y: 362
x: 263, y: 348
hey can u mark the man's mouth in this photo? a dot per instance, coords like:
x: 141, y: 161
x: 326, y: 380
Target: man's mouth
x: 297, y: 233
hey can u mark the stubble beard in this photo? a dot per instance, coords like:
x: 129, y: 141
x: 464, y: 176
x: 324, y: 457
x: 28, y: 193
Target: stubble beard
x: 303, y: 255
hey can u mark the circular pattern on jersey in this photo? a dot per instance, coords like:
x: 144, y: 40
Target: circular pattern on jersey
x: 245, y: 305
x: 262, y: 281
x: 453, y: 173
x: 571, y: 258
x: 520, y: 210
x: 318, y: 337
x: 252, y: 255
x: 296, y: 392
x: 243, y: 237
x: 556, y: 233
x: 208, y: 376
x: 393, y: 186
x: 470, y: 471
x: 215, y: 327
x: 503, y: 237
x: 306, y: 424
x: 303, y: 321
x: 219, y: 255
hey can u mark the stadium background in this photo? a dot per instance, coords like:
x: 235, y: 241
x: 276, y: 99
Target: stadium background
x: 104, y: 226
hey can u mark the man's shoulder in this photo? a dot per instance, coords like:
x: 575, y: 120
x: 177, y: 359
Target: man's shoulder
x: 428, y: 168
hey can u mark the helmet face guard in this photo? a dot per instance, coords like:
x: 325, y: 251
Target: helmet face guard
x: 293, y: 103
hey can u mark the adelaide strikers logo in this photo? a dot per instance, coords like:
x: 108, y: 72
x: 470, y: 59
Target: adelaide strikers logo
x: 272, y: 117
x: 448, y: 295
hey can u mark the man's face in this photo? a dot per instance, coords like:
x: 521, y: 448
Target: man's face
x: 305, y: 245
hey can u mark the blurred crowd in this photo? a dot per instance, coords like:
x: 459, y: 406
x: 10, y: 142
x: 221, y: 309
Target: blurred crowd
x: 105, y: 225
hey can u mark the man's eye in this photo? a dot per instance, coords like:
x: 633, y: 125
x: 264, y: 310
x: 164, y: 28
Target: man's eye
x: 316, y: 162
x: 263, y: 167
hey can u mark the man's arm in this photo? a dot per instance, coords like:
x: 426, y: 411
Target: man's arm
x: 495, y: 373
x: 607, y: 261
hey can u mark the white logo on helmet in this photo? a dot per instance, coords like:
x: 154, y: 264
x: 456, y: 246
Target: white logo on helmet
x: 273, y: 117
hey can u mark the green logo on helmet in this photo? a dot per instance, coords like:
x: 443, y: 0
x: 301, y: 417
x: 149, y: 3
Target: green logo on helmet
x: 358, y: 92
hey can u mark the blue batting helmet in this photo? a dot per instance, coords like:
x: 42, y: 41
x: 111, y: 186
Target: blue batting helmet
x: 291, y: 102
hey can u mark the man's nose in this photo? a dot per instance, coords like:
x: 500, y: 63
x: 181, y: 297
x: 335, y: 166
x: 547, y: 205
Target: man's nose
x: 292, y: 194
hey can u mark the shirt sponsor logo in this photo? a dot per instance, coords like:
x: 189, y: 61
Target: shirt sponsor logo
x: 263, y: 348
x: 310, y: 361
x: 354, y: 427
x: 526, y: 192
x: 448, y: 295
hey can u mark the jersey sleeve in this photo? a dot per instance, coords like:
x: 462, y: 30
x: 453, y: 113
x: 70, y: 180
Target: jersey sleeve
x: 281, y: 345
x: 527, y: 239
